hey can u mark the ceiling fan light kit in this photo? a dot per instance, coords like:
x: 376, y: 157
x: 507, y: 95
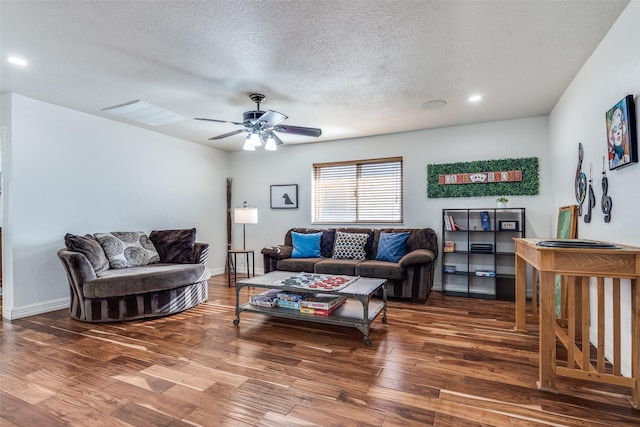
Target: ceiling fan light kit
x: 261, y: 125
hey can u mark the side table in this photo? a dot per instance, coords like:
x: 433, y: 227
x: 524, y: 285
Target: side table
x: 234, y: 253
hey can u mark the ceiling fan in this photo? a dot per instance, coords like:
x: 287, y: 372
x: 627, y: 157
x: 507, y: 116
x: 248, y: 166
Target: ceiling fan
x: 261, y: 127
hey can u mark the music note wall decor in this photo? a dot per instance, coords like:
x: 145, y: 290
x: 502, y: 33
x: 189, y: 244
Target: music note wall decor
x: 581, y: 180
x: 592, y: 197
x: 606, y: 201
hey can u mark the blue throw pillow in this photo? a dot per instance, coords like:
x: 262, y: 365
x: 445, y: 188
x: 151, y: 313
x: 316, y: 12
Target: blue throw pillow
x: 392, y: 246
x: 306, y: 245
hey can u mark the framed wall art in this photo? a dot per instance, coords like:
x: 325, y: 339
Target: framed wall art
x: 622, y: 144
x: 509, y: 225
x: 284, y: 196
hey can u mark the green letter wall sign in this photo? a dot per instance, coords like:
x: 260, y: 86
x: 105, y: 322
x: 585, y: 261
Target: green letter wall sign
x: 506, y: 177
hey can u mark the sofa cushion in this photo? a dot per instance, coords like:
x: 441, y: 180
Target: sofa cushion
x: 128, y: 248
x: 306, y: 245
x: 350, y: 246
x: 337, y: 266
x: 143, y: 279
x: 299, y: 265
x: 88, y: 246
x: 380, y: 269
x: 392, y: 246
x: 175, y: 246
x: 327, y: 242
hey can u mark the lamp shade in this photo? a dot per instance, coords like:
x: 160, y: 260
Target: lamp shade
x: 245, y: 215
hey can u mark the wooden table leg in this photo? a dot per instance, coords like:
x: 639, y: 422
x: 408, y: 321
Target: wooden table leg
x: 521, y: 294
x: 635, y: 342
x: 547, y: 368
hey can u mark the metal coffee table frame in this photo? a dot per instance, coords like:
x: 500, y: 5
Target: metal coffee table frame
x: 359, y: 311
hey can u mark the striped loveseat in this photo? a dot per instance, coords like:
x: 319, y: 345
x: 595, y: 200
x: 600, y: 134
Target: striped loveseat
x: 101, y: 293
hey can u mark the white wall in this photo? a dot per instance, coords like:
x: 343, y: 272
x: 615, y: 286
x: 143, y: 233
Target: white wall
x: 254, y: 172
x: 67, y: 171
x: 612, y: 72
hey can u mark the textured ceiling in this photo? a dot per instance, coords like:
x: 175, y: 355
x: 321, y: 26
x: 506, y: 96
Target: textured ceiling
x: 353, y: 68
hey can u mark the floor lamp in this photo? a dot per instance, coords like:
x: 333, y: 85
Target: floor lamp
x: 245, y: 215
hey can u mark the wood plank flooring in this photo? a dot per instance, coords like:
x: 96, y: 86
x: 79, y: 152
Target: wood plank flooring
x: 450, y: 362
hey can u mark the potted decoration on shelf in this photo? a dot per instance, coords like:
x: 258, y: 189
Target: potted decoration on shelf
x: 501, y: 202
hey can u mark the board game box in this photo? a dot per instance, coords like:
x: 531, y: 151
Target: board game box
x: 322, y: 301
x: 267, y: 298
x: 320, y: 311
x: 294, y: 305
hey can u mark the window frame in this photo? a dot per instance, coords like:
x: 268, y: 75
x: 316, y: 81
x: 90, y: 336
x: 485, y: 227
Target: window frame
x: 358, y: 164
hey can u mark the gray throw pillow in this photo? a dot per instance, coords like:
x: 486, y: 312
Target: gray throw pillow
x: 128, y: 248
x: 175, y: 246
x: 88, y: 246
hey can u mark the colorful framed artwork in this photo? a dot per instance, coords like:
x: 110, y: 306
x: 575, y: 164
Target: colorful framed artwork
x: 284, y: 196
x: 622, y: 144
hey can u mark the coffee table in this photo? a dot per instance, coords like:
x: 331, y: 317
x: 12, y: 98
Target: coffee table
x: 359, y: 311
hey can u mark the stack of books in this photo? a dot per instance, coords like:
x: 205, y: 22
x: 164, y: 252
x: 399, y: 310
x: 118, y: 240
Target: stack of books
x: 450, y: 224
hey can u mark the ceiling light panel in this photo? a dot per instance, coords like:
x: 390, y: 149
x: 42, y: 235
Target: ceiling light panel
x: 143, y: 112
x: 18, y: 61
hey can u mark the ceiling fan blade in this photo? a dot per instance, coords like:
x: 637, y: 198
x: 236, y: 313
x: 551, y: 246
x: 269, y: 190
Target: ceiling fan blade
x: 219, y: 121
x: 224, y: 135
x: 278, y: 140
x: 272, y: 118
x: 297, y: 130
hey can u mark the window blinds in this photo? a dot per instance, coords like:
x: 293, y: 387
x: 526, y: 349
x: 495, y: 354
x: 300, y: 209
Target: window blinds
x: 362, y: 191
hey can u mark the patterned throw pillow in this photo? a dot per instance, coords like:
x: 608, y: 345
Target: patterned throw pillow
x: 128, y: 249
x: 350, y: 245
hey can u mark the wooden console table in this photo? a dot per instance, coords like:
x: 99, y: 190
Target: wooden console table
x: 579, y: 265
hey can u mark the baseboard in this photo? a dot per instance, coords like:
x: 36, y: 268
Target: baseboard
x: 13, y: 313
x: 222, y: 270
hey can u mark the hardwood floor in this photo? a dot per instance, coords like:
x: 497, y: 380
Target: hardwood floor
x: 450, y: 362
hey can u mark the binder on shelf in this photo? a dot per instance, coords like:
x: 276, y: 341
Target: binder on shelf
x: 486, y: 224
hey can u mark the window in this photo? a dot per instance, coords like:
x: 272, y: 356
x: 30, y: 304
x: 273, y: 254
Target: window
x: 360, y: 191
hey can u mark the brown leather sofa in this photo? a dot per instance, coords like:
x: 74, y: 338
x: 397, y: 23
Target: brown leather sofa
x: 410, y: 278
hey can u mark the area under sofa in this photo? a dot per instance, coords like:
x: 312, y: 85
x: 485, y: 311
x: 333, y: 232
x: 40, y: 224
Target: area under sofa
x: 104, y: 290
x: 409, y: 278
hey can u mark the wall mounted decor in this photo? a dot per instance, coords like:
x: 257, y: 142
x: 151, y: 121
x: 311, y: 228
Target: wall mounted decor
x: 622, y: 144
x: 592, y: 198
x: 606, y: 201
x: 284, y: 196
x: 581, y: 180
x: 514, y: 177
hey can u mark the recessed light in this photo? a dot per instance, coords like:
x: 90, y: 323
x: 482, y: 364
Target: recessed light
x: 17, y: 61
x: 475, y: 98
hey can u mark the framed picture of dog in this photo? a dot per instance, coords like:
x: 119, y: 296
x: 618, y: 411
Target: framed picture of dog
x: 284, y: 196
